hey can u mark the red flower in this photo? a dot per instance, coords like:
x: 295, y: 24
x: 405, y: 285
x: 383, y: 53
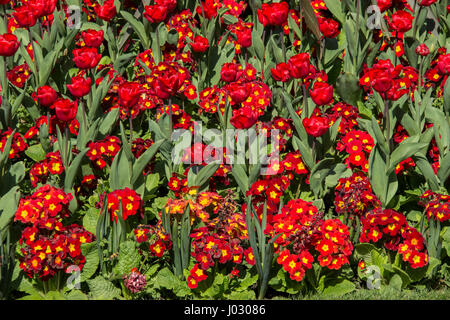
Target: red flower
x: 426, y: 3
x: 129, y: 94
x: 329, y: 28
x: 86, y: 58
x: 230, y: 72
x: 422, y: 50
x: 322, y: 93
x: 155, y: 13
x: 200, y: 44
x: 244, y: 118
x: 381, y: 80
x: 47, y: 96
x: 80, y: 86
x: 315, y: 126
x: 93, y: 38
x: 24, y: 16
x: 443, y: 64
x: 401, y: 21
x: 273, y: 14
x: 8, y: 44
x: 208, y: 9
x: 107, y: 11
x: 238, y: 92
x: 281, y: 72
x: 65, y: 109
x: 244, y: 37
x: 299, y: 65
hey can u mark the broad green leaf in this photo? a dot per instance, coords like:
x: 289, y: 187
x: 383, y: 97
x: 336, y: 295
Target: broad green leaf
x: 102, y: 289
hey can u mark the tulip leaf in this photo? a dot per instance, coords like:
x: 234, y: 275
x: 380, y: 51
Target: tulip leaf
x: 310, y: 18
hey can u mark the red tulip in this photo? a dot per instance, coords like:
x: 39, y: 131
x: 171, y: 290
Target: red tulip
x: 299, y: 65
x: 274, y: 14
x: 129, y: 94
x: 401, y: 21
x: 244, y: 37
x: 8, y: 44
x: 107, y: 11
x: 384, y: 4
x: 316, y: 126
x: 244, y: 118
x: 47, y: 96
x: 422, y: 50
x: 170, y: 4
x: 426, y: 3
x: 380, y: 80
x: 322, y: 93
x: 207, y: 9
x: 86, y: 58
x: 24, y: 16
x: 65, y: 109
x: 167, y: 85
x: 200, y: 44
x: 238, y: 92
x: 156, y: 13
x: 443, y: 64
x: 281, y: 72
x: 230, y: 72
x: 93, y: 38
x: 329, y: 28
x: 80, y: 86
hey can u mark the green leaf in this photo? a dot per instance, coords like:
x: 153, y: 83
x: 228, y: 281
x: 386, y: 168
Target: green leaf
x: 129, y: 257
x: 102, y: 289
x: 143, y: 160
x: 347, y: 86
x: 335, y: 8
x: 337, y: 287
x: 138, y: 27
x: 310, y: 18
x: 89, y: 250
x: 8, y: 206
x: 90, y: 220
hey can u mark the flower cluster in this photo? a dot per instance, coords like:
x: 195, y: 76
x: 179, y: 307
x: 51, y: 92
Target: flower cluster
x: 436, y: 205
x: 125, y: 200
x: 304, y: 235
x: 47, y: 245
x: 220, y: 241
x: 135, y: 281
x: 358, y: 144
x: 354, y: 195
x: 393, y: 230
x: 18, y: 145
x: 52, y: 164
x: 101, y: 153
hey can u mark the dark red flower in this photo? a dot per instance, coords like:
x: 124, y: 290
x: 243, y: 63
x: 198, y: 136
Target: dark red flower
x: 47, y: 96
x: 238, y: 92
x: 443, y: 64
x: 80, y: 86
x: 200, y: 44
x: 107, y: 11
x: 156, y: 13
x: 8, y: 44
x: 322, y: 93
x: 273, y: 14
x: 65, y: 109
x: 129, y: 94
x: 299, y: 65
x: 422, y: 50
x: 315, y: 126
x: 281, y: 72
x: 86, y: 58
x: 230, y: 72
x: 329, y: 28
x: 93, y: 38
x: 401, y: 21
x: 244, y: 118
x: 24, y: 16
